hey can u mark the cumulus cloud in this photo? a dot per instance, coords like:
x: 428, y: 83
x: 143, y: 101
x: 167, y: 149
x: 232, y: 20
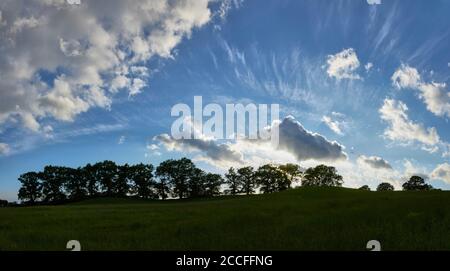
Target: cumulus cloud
x: 436, y: 98
x: 343, y: 65
x: 406, y: 77
x: 295, y: 144
x: 433, y: 94
x: 304, y: 145
x: 4, y: 148
x: 401, y: 128
x: 85, y: 51
x: 374, y: 2
x: 374, y: 162
x: 442, y: 172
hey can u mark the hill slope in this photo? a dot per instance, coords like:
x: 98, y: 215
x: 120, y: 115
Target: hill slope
x: 299, y: 219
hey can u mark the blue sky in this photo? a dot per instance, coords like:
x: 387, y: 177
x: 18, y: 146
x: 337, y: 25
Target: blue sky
x: 372, y: 77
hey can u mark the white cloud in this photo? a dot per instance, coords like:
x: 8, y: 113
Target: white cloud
x: 139, y: 70
x: 136, y: 86
x: 305, y: 145
x: 434, y: 95
x: 442, y: 172
x: 61, y: 102
x: 374, y: 2
x: 152, y: 147
x: 121, y: 140
x: 436, y: 98
x: 120, y: 82
x: 368, y: 66
x: 295, y: 144
x: 406, y: 77
x: 343, y: 65
x: 401, y: 128
x: 410, y: 169
x: 226, y: 6
x: 4, y: 148
x: 333, y: 124
x: 153, y: 150
x: 84, y: 46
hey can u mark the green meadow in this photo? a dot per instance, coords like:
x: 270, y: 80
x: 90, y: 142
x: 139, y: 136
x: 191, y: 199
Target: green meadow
x: 310, y: 218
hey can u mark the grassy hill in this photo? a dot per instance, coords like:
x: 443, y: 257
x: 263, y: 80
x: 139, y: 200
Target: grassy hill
x: 299, y: 219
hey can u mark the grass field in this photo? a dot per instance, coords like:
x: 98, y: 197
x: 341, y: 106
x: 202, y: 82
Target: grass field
x: 299, y: 219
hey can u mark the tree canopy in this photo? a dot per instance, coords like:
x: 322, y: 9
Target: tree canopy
x: 385, y: 187
x: 416, y: 183
x: 322, y: 175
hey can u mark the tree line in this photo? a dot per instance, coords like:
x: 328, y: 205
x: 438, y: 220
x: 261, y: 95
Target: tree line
x: 174, y: 179
x: 170, y: 179
x: 415, y: 183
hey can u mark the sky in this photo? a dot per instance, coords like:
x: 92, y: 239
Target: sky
x: 362, y: 85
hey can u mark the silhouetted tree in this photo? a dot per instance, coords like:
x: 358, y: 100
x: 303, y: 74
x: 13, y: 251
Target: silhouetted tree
x: 31, y: 189
x: 91, y: 179
x: 74, y: 182
x: 293, y: 172
x: 322, y: 175
x: 143, y: 183
x: 364, y: 187
x: 196, y: 186
x: 106, y: 173
x: 385, y: 187
x: 233, y: 182
x: 416, y: 183
x: 121, y: 183
x: 271, y: 179
x: 3, y: 203
x: 212, y: 184
x: 162, y: 186
x: 247, y: 180
x: 177, y: 173
x: 53, y: 179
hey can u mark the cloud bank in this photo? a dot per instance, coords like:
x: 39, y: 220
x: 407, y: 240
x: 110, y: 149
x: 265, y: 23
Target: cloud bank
x: 294, y: 140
